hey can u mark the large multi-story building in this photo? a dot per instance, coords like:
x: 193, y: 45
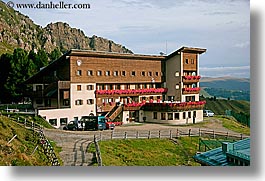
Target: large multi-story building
x: 128, y: 87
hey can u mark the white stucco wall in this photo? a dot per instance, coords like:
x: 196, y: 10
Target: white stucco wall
x: 75, y: 110
x: 180, y: 121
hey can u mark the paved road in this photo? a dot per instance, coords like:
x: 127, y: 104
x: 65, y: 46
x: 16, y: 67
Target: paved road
x: 76, y: 143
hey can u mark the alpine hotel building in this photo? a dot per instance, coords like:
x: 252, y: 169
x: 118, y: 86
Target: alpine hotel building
x: 123, y: 87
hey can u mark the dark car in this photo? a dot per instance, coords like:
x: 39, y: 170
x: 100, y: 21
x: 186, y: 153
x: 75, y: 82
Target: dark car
x: 71, y: 126
x: 74, y: 125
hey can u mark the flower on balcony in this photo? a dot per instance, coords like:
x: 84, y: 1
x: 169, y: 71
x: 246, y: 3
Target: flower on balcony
x: 189, y: 89
x: 131, y: 91
x: 190, y: 77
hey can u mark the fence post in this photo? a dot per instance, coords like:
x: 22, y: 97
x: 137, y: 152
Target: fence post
x: 170, y: 134
x: 149, y: 134
x: 227, y: 135
x: 12, y: 139
x: 125, y: 135
x: 199, y: 132
x: 189, y: 132
x: 137, y: 134
x: 111, y: 135
x: 25, y: 122
x: 159, y: 134
x: 241, y: 135
x: 177, y: 134
x: 100, y: 136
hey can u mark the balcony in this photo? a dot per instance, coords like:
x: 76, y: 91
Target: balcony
x: 183, y: 106
x: 64, y: 84
x: 187, y: 90
x: 133, y: 106
x: 190, y: 79
x: 105, y: 107
x: 130, y: 92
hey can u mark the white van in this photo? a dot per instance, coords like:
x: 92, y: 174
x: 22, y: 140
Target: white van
x: 208, y: 113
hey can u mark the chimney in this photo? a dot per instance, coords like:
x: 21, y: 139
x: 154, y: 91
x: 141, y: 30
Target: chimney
x: 226, y: 147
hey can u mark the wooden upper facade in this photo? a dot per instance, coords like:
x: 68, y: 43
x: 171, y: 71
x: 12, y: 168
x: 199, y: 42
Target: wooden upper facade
x: 106, y: 67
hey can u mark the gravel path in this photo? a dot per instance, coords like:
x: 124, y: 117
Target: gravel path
x: 76, y: 143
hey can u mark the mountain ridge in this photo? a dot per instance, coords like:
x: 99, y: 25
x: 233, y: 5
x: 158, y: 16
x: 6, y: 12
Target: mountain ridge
x: 19, y: 31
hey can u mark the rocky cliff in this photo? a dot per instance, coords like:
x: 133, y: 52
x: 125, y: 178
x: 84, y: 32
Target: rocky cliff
x: 18, y: 30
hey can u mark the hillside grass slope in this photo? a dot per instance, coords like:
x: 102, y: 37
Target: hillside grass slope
x: 219, y: 106
x: 19, y: 152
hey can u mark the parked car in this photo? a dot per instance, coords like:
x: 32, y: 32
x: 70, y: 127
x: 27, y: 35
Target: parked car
x: 96, y: 123
x: 72, y: 125
x: 208, y: 113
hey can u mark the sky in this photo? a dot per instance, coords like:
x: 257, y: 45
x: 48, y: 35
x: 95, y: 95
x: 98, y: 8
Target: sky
x: 154, y: 26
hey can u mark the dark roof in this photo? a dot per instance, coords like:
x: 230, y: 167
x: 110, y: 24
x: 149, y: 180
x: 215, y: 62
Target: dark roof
x: 187, y: 50
x: 217, y: 157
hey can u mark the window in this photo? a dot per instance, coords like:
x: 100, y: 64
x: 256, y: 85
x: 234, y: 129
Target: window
x: 170, y: 116
x: 107, y: 73
x: 79, y: 72
x: 38, y: 87
x: 154, y: 115
x: 177, y: 86
x: 184, y: 115
x: 149, y: 73
x: 177, y: 74
x: 115, y: 73
x: 79, y: 102
x: 190, y: 98
x: 163, y: 116
x: 189, y: 114
x: 90, y: 73
x: 99, y: 73
x: 66, y: 102
x: 157, y: 73
x: 133, y: 73
x: 78, y: 87
x: 187, y: 61
x: 90, y: 87
x: 194, y: 114
x: 177, y: 116
x: 53, y: 122
x: 90, y: 101
x: 63, y: 121
x: 123, y: 73
x: 143, y: 73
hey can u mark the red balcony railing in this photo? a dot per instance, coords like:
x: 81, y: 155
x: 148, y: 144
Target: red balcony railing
x: 188, y: 90
x: 131, y: 91
x: 190, y: 79
x: 166, y: 106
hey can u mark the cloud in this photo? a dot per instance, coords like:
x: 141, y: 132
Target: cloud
x: 242, y: 44
x: 220, y: 13
x: 239, y: 71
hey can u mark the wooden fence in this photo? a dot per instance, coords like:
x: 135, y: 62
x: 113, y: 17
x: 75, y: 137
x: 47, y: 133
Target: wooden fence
x: 176, y: 133
x: 98, y: 153
x: 43, y: 141
x: 161, y: 134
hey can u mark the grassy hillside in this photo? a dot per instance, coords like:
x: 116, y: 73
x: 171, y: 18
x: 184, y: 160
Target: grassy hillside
x: 219, y: 106
x: 226, y: 87
x: 149, y: 152
x: 19, y: 151
x: 229, y: 83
